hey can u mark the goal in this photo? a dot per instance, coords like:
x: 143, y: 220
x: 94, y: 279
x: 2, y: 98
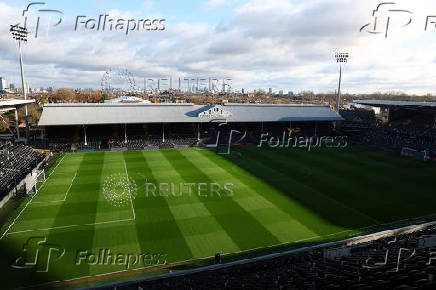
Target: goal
x: 34, y: 181
x: 410, y: 152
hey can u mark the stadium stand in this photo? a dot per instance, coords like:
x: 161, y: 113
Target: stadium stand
x: 145, y: 126
x: 403, y: 261
x: 409, y: 124
x: 16, y: 161
x: 60, y: 145
x: 397, y: 137
x: 179, y: 136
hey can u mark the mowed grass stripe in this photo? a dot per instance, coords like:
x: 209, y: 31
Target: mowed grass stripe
x: 157, y: 231
x: 366, y: 188
x: 410, y: 169
x: 244, y: 169
x: 203, y: 234
x: 324, y: 176
x: 117, y: 237
x: 332, y: 208
x: 59, y: 179
x: 405, y: 191
x: 238, y: 223
x: 41, y: 214
x: 80, y: 208
x: 277, y: 189
x: 284, y: 227
x: 294, y: 198
x: 113, y: 170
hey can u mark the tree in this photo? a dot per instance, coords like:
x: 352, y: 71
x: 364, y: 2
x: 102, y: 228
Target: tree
x: 4, y: 123
x: 65, y: 95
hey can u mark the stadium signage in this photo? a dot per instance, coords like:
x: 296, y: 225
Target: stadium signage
x: 214, y: 113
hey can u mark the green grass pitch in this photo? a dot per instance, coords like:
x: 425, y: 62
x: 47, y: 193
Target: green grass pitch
x: 76, y: 227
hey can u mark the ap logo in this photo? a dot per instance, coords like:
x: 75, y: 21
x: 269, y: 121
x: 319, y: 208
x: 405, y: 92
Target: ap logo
x: 37, y: 255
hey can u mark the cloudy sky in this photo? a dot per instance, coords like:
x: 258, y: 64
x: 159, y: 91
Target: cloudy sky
x: 282, y: 44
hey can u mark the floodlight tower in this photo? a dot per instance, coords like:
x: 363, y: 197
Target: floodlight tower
x: 20, y: 34
x: 341, y: 58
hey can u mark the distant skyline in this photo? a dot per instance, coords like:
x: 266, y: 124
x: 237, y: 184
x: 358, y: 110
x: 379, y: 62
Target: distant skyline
x: 286, y: 45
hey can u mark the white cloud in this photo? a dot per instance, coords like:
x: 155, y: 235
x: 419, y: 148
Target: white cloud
x: 148, y: 4
x: 213, y: 4
x: 284, y: 44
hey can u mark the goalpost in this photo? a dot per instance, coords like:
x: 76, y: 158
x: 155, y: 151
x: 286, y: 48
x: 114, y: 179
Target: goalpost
x: 410, y: 152
x: 34, y: 181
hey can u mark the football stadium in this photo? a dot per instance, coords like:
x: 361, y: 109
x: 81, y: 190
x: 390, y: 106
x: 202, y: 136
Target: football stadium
x: 160, y: 196
x: 211, y: 144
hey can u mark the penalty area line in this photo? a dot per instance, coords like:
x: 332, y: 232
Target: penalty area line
x: 71, y: 184
x: 130, y: 194
x: 66, y: 194
x: 30, y: 201
x: 70, y: 226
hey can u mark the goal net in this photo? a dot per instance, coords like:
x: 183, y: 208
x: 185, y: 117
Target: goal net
x: 34, y: 181
x: 410, y: 152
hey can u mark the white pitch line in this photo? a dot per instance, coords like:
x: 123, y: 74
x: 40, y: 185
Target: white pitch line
x: 43, y: 202
x: 204, y: 258
x: 71, y: 184
x: 66, y: 194
x: 186, y: 261
x: 17, y: 217
x: 110, y: 222
x: 70, y: 226
x: 130, y: 194
x: 33, y: 196
x: 54, y: 169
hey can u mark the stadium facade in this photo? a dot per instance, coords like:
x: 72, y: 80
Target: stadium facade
x: 103, y: 123
x: 103, y: 114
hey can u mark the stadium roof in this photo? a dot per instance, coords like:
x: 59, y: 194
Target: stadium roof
x: 14, y: 103
x: 384, y: 103
x: 100, y: 114
x: 11, y: 104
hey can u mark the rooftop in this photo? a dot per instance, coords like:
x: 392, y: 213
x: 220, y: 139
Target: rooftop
x: 384, y: 103
x: 139, y: 113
